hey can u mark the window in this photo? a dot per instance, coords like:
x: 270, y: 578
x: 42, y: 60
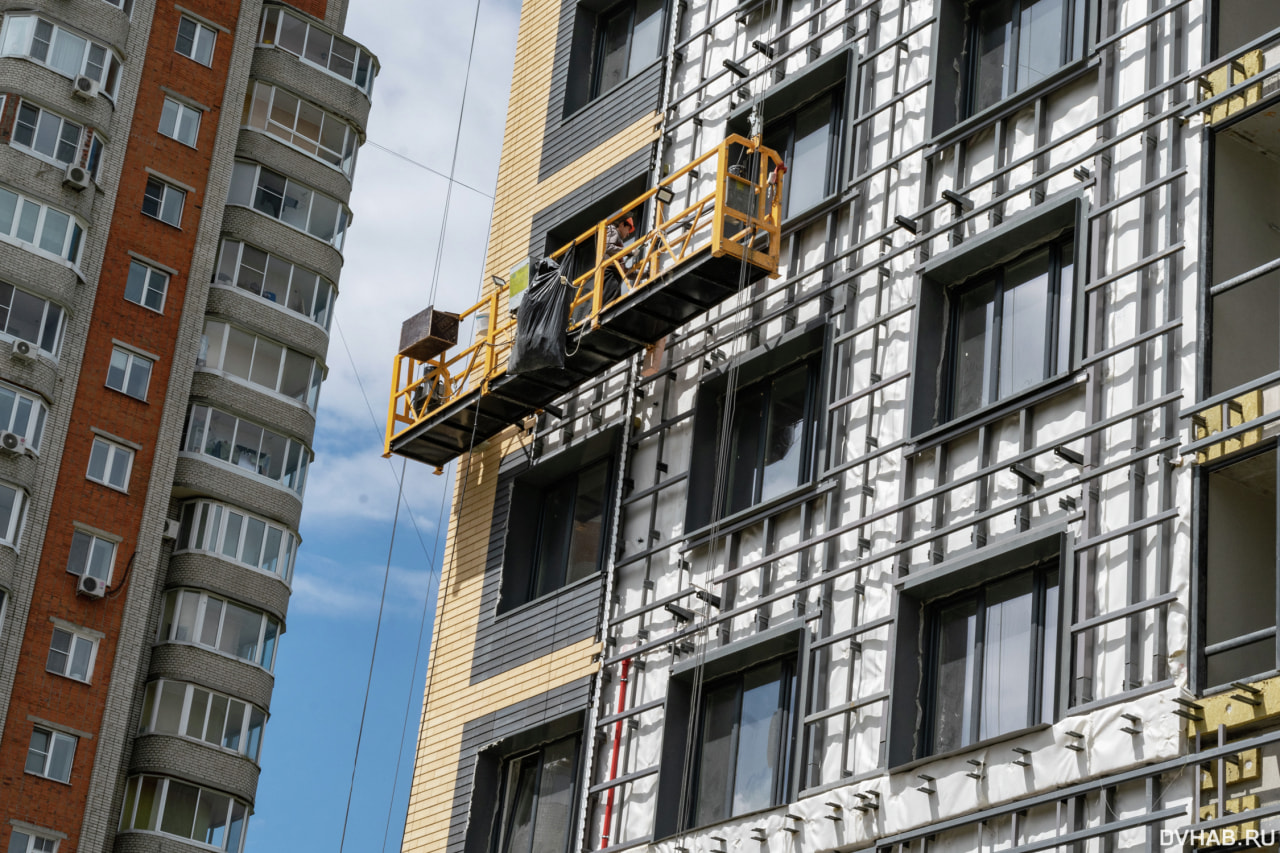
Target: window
x: 224, y: 626
x: 987, y: 624
x: 292, y: 203
x: 993, y: 660
x: 261, y: 362
x: 809, y: 142
x: 276, y: 280
x: 741, y: 744
x: 303, y: 125
x: 22, y: 414
x: 55, y: 139
x: 38, y: 227
x: 29, y: 318
x: 730, y: 731
x: 91, y: 555
x: 772, y: 431
x: 179, y: 121
x: 109, y: 464
x: 22, y: 841
x: 628, y: 37
x: 988, y: 334
x: 1015, y: 43
x: 538, y: 799
x: 233, y: 534
x: 218, y: 435
x: 319, y: 47
x: 50, y: 754
x: 184, y: 710
x: 163, y: 201
x: 60, y: 49
x: 195, y: 41
x: 146, y: 286
x: 129, y: 373
x: 170, y: 807
x: 71, y: 654
x: 1238, y: 572
x: 1009, y: 328
x: 12, y: 514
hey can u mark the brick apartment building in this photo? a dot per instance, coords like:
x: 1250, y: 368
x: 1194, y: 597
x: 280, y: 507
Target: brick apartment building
x: 174, y: 180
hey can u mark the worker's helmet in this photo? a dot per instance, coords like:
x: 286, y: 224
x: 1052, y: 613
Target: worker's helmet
x: 629, y: 222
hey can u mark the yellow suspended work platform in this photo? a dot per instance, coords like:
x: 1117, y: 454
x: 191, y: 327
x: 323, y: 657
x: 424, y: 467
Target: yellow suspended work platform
x: 693, y: 258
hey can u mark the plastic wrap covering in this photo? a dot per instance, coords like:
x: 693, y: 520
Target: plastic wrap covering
x: 542, y: 322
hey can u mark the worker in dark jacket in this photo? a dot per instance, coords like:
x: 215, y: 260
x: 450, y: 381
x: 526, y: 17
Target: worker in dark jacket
x: 616, y: 236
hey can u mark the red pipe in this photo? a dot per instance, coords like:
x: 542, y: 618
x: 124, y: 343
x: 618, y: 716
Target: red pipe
x: 613, y: 760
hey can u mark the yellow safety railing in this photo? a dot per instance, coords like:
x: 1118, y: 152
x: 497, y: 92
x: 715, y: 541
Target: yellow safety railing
x: 732, y: 214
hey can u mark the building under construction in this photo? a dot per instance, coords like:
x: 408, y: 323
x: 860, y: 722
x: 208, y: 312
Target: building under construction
x: 909, y: 483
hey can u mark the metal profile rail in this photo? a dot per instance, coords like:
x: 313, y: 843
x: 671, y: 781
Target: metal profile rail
x: 691, y: 260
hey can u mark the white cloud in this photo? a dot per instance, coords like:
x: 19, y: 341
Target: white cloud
x: 326, y: 587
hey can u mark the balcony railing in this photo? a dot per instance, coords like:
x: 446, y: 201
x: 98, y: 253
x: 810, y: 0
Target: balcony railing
x: 732, y: 217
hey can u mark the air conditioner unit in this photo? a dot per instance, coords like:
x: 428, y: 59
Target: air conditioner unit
x: 171, y: 528
x: 11, y: 442
x: 85, y: 87
x: 23, y: 351
x: 76, y: 177
x: 90, y: 586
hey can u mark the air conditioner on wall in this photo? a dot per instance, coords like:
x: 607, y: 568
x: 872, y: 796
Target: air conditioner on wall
x: 76, y: 177
x: 90, y: 586
x: 85, y: 87
x: 23, y: 351
x: 11, y: 442
x: 171, y: 526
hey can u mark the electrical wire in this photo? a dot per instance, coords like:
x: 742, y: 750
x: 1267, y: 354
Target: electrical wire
x: 422, y: 165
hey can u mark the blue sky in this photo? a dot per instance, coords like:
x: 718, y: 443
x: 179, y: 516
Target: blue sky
x: 391, y: 255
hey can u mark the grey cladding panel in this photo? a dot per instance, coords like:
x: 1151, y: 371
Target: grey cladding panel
x: 569, y: 137
x: 572, y: 214
x: 505, y: 641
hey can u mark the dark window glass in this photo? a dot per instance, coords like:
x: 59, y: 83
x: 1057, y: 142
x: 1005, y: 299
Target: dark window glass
x: 628, y: 37
x: 1011, y: 328
x: 809, y: 142
x: 742, y: 742
x: 537, y: 800
x: 994, y: 659
x: 570, y: 531
x: 770, y: 437
x: 1016, y: 43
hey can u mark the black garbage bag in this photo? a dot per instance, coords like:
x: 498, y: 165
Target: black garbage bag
x: 542, y: 322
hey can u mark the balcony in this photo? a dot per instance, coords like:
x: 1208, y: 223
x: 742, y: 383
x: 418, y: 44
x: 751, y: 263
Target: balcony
x: 694, y: 257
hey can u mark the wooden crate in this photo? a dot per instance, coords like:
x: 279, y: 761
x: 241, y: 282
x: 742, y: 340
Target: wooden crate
x: 428, y: 333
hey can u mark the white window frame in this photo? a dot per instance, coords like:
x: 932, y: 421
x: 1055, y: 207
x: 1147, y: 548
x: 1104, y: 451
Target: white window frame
x: 11, y: 528
x: 125, y: 362
x: 72, y: 241
x: 149, y: 276
x: 45, y: 319
x: 54, y: 737
x: 169, y: 196
x: 204, y: 528
x: 86, y: 138
x: 176, y: 600
x: 213, y: 351
x: 78, y: 639
x: 246, y: 745
x: 269, y: 35
x: 108, y: 75
x: 183, y: 120
x: 195, y: 443
x: 263, y: 112
x: 30, y: 432
x: 129, y: 814
x: 197, y: 41
x: 111, y: 449
x: 246, y: 188
x: 36, y: 842
x: 231, y: 273
x: 95, y: 544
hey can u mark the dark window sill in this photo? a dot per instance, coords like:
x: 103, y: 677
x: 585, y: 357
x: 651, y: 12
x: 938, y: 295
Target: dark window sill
x: 972, y: 747
x: 1068, y: 73
x: 550, y: 597
x: 754, y: 514
x: 1036, y: 394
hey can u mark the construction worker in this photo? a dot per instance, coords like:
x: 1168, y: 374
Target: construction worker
x: 616, y: 236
